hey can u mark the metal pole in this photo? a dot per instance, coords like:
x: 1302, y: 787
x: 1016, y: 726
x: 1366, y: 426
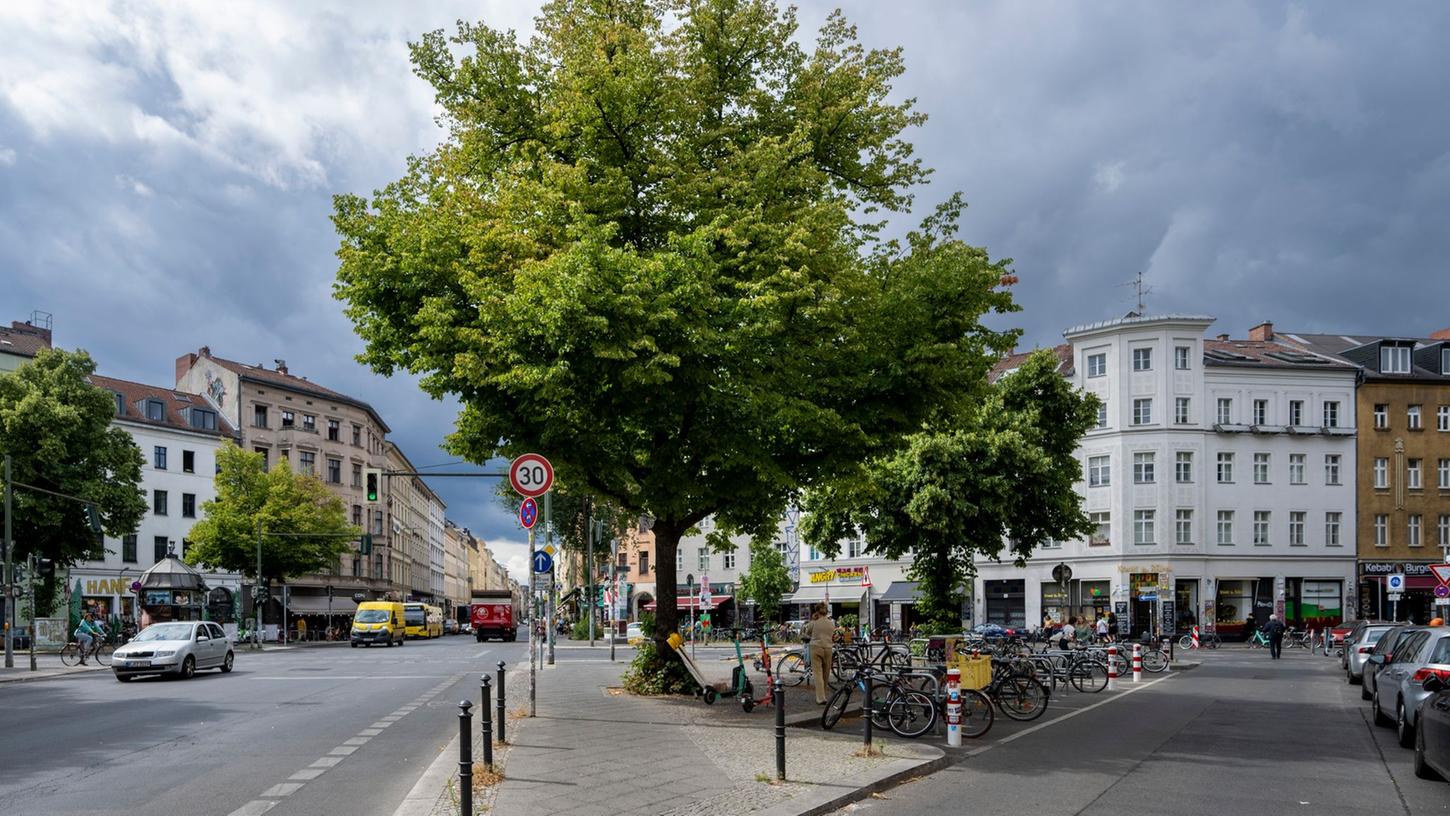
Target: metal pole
x: 30, y: 579
x: 868, y: 710
x: 553, y: 599
x: 692, y: 620
x: 778, y: 695
x: 465, y: 758
x: 501, y: 716
x: 533, y: 631
x: 589, y: 561
x: 614, y: 594
x: 257, y: 592
x: 485, y: 726
x: 9, y: 576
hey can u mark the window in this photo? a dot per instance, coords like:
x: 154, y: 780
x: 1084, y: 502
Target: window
x: 1381, y: 530
x: 259, y: 416
x: 728, y: 560
x: 128, y: 547
x: 1331, y: 414
x: 377, y: 522
x: 1261, y: 412
x: 644, y: 563
x: 679, y: 562
x: 188, y: 505
x: 307, y: 461
x: 188, y: 461
x: 334, y: 471
x: 1414, y: 530
x: 1143, y: 522
x: 263, y: 452
x: 1097, y: 365
x: 309, y: 422
x: 1180, y: 410
x: 1445, y: 361
x: 1261, y: 528
x: 158, y: 547
x: 1442, y: 417
x: 1331, y: 528
x: 357, y: 515
x: 288, y: 419
x: 1331, y: 468
x: 334, y: 430
x: 1381, y: 416
x: 1183, y: 526
x: 1225, y: 528
x: 1225, y: 468
x: 357, y: 436
x: 1183, y: 467
x: 1444, y: 530
x: 1225, y: 411
x: 1412, y: 417
x: 1443, y: 469
x: 1180, y: 357
x: 1296, y: 468
x: 1261, y: 468
x: 201, y: 419
x: 1296, y: 528
x: 158, y: 502
x: 1381, y: 472
x: 1143, y: 359
x: 120, y: 408
x: 1099, y: 471
x: 1103, y: 528
x: 1102, y: 413
x: 1394, y: 360
x: 356, y: 475
x: 1412, y: 474
x: 1142, y: 411
x: 704, y: 559
x: 1296, y: 412
x: 1143, y: 468
x: 158, y: 457
x: 155, y: 411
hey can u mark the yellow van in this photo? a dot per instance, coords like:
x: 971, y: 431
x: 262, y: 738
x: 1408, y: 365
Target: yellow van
x: 435, y: 621
x: 379, y: 622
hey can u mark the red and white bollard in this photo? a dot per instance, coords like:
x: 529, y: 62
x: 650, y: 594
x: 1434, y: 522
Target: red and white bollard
x: 1311, y: 641
x: 1137, y: 662
x: 1195, y: 636
x: 954, y: 708
x: 1112, y: 667
x: 976, y: 653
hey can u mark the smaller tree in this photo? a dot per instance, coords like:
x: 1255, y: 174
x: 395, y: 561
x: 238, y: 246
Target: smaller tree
x: 767, y: 581
x: 311, y: 519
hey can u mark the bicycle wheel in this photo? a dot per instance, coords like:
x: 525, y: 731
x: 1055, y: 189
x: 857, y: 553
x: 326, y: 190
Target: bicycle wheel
x: 1186, y: 642
x: 70, y: 655
x: 911, y: 714
x: 1088, y: 675
x: 791, y: 668
x: 882, y: 696
x: 1155, y: 660
x: 977, y: 714
x: 103, y: 654
x: 1023, y: 698
x: 1124, y: 664
x: 836, y: 706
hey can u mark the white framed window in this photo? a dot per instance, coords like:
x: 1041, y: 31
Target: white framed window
x: 1261, y: 412
x: 1143, y: 467
x: 1261, y: 528
x: 1183, y: 467
x: 1143, y: 411
x: 1445, y: 361
x: 1103, y: 528
x: 1442, y: 417
x: 1296, y: 528
x: 728, y: 560
x: 1097, y: 365
x: 1381, y: 472
x: 1381, y: 530
x: 1332, y: 522
x: 1225, y: 468
x: 703, y: 559
x: 1394, y: 360
x: 1412, y: 417
x: 679, y: 560
x: 1412, y: 474
x: 1331, y: 414
x: 1225, y: 528
x: 1444, y: 530
x: 1413, y: 530
x: 1180, y: 410
x: 1099, y: 471
x: 1180, y: 357
x: 1443, y: 470
x: 1261, y: 468
x: 1143, y: 526
x: 1183, y: 526
x: 1296, y: 468
x: 1381, y: 416
x: 1331, y: 468
x: 1143, y: 359
x: 1102, y: 413
x: 1225, y: 411
x: 1296, y: 412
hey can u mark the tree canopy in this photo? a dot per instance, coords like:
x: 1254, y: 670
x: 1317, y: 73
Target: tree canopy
x: 650, y: 248
x: 305, y: 524
x: 767, y: 580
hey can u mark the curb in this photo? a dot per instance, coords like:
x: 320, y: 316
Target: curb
x: 888, y: 776
x: 30, y: 677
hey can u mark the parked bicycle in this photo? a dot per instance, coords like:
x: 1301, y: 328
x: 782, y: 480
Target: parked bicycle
x: 1206, y: 640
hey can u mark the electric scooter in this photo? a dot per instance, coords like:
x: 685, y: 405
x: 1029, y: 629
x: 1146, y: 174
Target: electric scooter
x: 740, y: 685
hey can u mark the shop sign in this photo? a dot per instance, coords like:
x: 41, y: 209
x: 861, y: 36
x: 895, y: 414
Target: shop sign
x: 106, y: 586
x: 1392, y: 567
x: 839, y: 575
x: 158, y: 597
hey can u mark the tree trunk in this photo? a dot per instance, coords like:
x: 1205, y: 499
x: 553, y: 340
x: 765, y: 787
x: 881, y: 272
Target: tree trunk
x: 667, y: 616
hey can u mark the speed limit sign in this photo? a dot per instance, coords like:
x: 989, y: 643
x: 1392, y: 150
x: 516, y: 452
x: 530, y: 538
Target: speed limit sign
x: 531, y: 475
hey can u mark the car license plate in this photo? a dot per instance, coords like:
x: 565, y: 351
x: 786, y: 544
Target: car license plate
x: 138, y: 664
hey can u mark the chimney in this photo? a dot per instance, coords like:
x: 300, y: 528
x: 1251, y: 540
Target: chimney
x: 1223, y: 338
x: 1263, y: 332
x: 184, y: 364
x: 1443, y: 334
x: 281, y: 366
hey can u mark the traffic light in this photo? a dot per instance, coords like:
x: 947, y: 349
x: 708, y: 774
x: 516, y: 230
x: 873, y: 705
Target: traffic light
x: 93, y: 518
x: 372, y: 478
x: 365, y: 544
x: 45, y: 568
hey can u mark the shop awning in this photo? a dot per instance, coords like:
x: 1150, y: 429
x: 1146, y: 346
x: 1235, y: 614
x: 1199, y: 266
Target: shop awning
x: 317, y: 605
x: 817, y: 594
x: 1411, y: 581
x: 685, y: 602
x: 900, y: 592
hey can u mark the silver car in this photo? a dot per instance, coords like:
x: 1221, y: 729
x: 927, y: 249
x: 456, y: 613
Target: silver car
x: 1357, y: 647
x: 177, y: 647
x: 1399, y: 688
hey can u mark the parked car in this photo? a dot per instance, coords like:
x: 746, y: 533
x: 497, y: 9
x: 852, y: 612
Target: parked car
x: 1432, y: 738
x: 1384, y: 649
x: 450, y: 626
x: 1399, y: 685
x: 1357, y: 646
x: 634, y: 633
x: 177, y: 647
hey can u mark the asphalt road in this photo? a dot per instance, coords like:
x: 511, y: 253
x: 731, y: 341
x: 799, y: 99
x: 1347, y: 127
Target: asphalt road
x: 318, y: 731
x: 1240, y: 734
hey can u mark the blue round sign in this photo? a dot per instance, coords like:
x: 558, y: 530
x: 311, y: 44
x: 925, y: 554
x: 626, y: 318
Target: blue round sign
x: 528, y: 513
x: 542, y: 561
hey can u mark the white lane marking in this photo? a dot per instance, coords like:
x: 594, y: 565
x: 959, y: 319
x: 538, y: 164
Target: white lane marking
x: 308, y: 774
x: 1038, y: 727
x: 370, y: 732
x: 282, y: 789
x: 256, y: 807
x: 382, y: 723
x: 357, y: 741
x: 348, y: 677
x: 327, y: 762
x: 481, y: 654
x: 342, y: 750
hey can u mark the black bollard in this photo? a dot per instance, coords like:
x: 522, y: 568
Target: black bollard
x: 501, y: 709
x: 867, y: 709
x: 485, y: 726
x: 778, y: 694
x: 465, y: 758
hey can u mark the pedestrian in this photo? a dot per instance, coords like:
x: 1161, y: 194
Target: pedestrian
x: 818, y: 633
x: 1274, y: 629
x: 1112, y: 626
x: 1103, y: 628
x: 1068, y: 634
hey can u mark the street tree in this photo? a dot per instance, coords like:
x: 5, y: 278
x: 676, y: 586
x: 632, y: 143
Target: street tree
x: 651, y: 248
x: 767, y: 580
x: 994, y: 481
x: 305, y: 524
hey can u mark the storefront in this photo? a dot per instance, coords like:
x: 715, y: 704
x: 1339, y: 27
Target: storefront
x: 1416, y: 603
x: 1006, y: 603
x: 1311, y: 603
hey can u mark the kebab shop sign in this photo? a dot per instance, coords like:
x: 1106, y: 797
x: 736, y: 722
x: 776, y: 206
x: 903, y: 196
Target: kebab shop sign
x: 838, y: 575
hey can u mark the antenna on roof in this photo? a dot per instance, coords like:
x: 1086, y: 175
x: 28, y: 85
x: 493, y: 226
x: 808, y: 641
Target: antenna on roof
x: 1141, y: 289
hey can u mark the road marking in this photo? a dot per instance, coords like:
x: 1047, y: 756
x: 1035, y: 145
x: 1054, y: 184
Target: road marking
x: 308, y: 774
x: 256, y: 807
x: 327, y: 677
x: 327, y: 762
x: 481, y: 654
x: 1038, y: 727
x: 357, y: 741
x: 282, y: 789
x: 343, y: 750
x: 382, y: 723
x: 370, y: 732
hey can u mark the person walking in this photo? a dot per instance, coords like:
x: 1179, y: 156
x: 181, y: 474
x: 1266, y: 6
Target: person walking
x: 818, y: 634
x: 1102, y: 628
x: 1274, y: 630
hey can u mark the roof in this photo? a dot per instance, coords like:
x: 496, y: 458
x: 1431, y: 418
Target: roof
x: 23, y: 340
x: 261, y: 374
x: 172, y: 573
x: 1268, y: 354
x: 173, y: 402
x: 1135, y: 319
x: 1361, y: 351
x: 1013, y: 361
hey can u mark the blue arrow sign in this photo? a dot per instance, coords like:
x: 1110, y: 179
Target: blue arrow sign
x: 542, y: 561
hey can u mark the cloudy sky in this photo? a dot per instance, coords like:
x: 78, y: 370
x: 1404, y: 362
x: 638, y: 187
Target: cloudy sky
x: 166, y: 169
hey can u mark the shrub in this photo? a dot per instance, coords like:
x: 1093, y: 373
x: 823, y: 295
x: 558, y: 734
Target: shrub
x: 654, y: 672
x: 581, y: 630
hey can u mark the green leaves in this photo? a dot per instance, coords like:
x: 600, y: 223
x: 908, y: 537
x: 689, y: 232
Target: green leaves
x: 767, y: 581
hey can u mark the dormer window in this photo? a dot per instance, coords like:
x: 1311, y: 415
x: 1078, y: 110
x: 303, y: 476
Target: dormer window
x: 1394, y: 359
x: 1445, y: 360
x: 155, y: 410
x: 120, y: 403
x: 202, y: 419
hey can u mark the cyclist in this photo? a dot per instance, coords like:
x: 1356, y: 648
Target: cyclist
x: 86, y: 634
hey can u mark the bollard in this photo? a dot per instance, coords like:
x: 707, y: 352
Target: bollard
x: 1112, y: 667
x: 465, y: 758
x: 1195, y: 636
x: 1311, y: 641
x: 485, y: 725
x: 502, y: 712
x: 868, y: 708
x: 778, y: 695
x: 1137, y: 662
x: 954, y: 707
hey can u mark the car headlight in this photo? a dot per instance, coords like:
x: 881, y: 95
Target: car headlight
x: 165, y: 652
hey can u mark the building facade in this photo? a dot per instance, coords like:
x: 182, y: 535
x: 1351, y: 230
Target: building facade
x: 22, y: 341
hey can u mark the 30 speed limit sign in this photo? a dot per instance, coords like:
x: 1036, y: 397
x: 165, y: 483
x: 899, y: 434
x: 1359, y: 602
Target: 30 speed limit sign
x: 531, y: 475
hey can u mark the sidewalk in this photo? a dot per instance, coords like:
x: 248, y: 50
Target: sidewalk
x: 47, y: 665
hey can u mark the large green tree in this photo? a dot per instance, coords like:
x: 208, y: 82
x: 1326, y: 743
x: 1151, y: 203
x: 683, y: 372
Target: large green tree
x: 767, y: 580
x: 995, y: 480
x: 304, y: 524
x: 650, y: 249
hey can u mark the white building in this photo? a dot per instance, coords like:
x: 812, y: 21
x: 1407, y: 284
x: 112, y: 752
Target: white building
x: 178, y: 434
x: 1220, y: 477
x: 437, y: 559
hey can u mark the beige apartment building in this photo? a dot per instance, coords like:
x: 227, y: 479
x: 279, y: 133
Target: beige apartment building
x: 458, y: 544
